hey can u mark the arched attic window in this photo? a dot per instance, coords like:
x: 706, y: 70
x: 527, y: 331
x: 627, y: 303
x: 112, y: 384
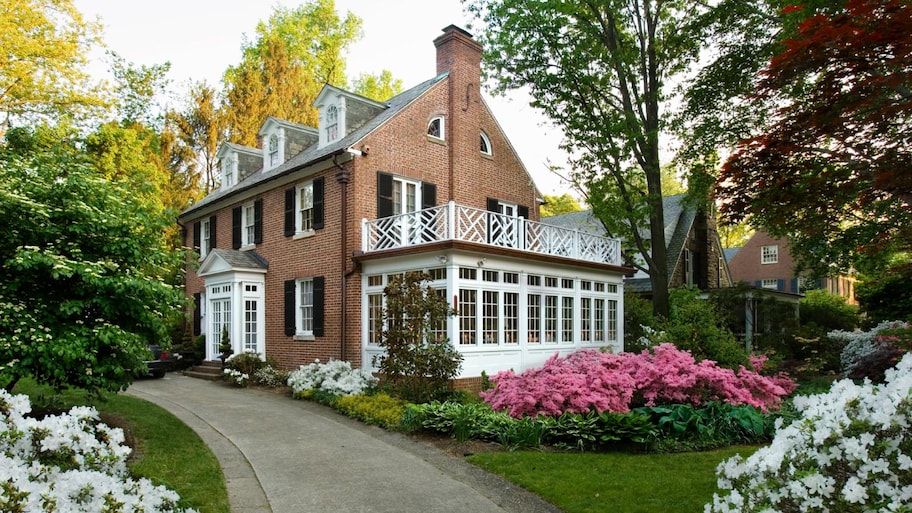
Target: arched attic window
x: 484, y: 145
x: 436, y: 128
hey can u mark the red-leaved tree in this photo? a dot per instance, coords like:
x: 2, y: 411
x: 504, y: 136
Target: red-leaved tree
x: 832, y: 169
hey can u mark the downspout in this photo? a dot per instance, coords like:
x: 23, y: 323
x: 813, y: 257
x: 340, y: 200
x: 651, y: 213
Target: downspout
x: 343, y: 178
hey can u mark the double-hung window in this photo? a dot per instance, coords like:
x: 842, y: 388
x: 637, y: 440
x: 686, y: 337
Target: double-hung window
x: 305, y: 208
x: 205, y: 238
x: 273, y: 150
x: 248, y: 224
x: 305, y: 321
x: 769, y: 254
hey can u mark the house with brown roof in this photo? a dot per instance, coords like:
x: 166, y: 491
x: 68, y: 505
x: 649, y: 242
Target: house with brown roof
x: 297, y: 244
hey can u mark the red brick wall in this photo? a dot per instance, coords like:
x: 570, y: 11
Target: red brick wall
x: 400, y: 146
x: 745, y: 265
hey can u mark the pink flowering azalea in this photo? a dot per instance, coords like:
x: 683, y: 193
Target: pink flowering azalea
x: 589, y: 380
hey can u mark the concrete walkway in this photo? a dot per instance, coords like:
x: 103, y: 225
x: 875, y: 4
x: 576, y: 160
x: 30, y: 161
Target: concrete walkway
x: 281, y: 455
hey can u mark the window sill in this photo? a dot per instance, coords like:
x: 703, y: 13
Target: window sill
x: 304, y: 337
x: 437, y: 140
x: 247, y: 247
x: 488, y: 156
x: 303, y: 235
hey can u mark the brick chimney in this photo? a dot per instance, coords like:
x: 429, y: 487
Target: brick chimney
x: 460, y: 55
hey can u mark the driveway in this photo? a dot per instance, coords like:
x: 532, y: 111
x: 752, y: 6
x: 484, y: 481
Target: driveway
x: 282, y: 455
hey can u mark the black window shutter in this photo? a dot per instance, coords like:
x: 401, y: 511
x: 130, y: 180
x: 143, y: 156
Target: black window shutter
x: 236, y: 227
x: 196, y: 235
x: 793, y: 283
x: 758, y: 283
x: 780, y: 285
x: 318, y: 319
x: 258, y: 221
x: 290, y: 317
x: 318, y: 203
x: 493, y: 205
x: 289, y: 212
x: 428, y: 195
x: 212, y: 233
x: 384, y: 195
x: 523, y: 211
x: 197, y: 315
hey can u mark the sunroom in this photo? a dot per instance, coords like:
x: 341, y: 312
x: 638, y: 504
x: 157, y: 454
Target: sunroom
x: 523, y: 291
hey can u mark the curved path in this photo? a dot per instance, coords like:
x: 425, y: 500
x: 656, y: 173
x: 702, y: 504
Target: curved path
x: 280, y: 455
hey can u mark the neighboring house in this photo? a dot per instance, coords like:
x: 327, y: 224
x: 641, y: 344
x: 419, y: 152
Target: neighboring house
x: 298, y: 243
x: 765, y: 262
x: 695, y: 253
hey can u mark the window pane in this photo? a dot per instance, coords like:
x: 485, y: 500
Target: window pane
x: 567, y: 320
x: 511, y: 317
x: 490, y: 316
x: 467, y: 321
x: 550, y: 318
x: 534, y: 318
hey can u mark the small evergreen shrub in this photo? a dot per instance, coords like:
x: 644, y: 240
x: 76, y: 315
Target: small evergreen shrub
x: 245, y: 363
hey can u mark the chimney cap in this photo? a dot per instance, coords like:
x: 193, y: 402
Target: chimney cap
x: 454, y: 28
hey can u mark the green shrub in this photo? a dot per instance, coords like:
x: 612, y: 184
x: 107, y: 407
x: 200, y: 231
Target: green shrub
x: 378, y: 409
x: 416, y: 364
x: 827, y: 311
x: 683, y: 427
x: 697, y: 326
x: 638, y: 322
x: 888, y: 295
x: 246, y: 363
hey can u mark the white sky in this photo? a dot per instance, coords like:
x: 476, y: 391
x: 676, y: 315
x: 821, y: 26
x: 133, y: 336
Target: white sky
x: 201, y: 38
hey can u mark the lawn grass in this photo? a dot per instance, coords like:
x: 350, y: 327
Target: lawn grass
x: 168, y: 452
x: 599, y: 482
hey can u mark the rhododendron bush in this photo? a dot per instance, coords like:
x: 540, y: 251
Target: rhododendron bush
x: 589, y: 380
x: 69, y: 463
x: 847, y: 451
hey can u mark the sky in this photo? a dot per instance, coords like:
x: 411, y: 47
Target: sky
x: 201, y: 38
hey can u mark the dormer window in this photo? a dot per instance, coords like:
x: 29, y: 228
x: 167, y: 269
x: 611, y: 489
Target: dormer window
x: 436, y: 128
x: 273, y: 150
x: 484, y: 144
x: 227, y: 172
x: 332, y: 123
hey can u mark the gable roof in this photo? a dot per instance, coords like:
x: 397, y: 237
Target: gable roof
x: 223, y: 260
x: 679, y: 219
x: 314, y: 153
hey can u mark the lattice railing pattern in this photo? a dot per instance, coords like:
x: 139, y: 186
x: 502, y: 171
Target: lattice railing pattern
x: 458, y: 222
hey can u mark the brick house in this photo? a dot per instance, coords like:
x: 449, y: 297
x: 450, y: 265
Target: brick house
x: 297, y: 244
x: 765, y: 262
x: 694, y: 249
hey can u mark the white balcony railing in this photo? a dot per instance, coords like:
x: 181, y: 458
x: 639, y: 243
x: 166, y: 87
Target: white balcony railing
x: 458, y: 222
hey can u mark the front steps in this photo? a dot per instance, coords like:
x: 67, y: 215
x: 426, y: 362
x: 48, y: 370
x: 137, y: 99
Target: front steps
x: 209, y: 370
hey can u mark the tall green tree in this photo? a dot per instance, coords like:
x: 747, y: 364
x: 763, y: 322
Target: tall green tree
x: 555, y: 205
x: 283, y: 69
x: 380, y: 87
x: 43, y: 62
x: 83, y: 285
x: 831, y: 167
x: 199, y: 127
x: 599, y: 70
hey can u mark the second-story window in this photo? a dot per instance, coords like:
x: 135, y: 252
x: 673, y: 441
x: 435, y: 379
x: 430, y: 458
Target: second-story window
x: 305, y: 207
x: 273, y: 150
x: 332, y: 123
x: 769, y: 254
x: 248, y: 224
x: 205, y: 238
x: 405, y: 196
x: 436, y: 128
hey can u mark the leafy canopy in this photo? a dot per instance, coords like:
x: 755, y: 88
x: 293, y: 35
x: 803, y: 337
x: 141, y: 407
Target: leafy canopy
x: 82, y: 269
x: 830, y: 167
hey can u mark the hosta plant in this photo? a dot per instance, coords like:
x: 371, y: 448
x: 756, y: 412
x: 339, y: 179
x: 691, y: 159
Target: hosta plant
x: 849, y: 450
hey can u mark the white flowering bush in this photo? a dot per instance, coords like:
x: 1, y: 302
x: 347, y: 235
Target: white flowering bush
x: 271, y: 377
x: 236, y: 377
x: 860, y: 344
x: 69, y: 463
x: 847, y: 451
x: 335, y: 377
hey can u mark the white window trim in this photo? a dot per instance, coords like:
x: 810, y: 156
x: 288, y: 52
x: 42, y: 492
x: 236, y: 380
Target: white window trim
x: 205, y: 238
x: 299, y: 231
x: 487, y: 140
x: 772, y: 253
x: 300, y: 333
x: 769, y: 283
x: 227, y: 172
x: 247, y: 242
x: 442, y: 136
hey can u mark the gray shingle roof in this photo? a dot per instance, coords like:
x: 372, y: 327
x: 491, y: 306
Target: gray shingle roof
x: 242, y: 259
x: 314, y: 153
